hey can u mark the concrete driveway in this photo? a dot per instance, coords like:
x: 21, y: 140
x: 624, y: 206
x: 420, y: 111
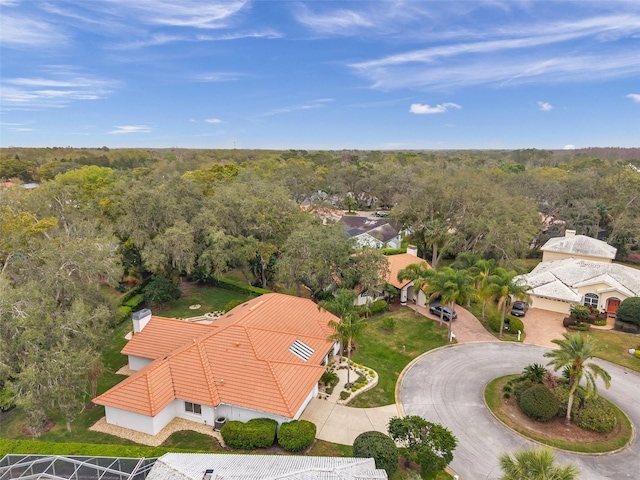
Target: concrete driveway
x: 467, y: 328
x: 542, y: 326
x: 446, y: 386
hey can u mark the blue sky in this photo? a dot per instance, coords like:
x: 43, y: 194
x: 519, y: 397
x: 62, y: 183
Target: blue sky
x: 320, y: 75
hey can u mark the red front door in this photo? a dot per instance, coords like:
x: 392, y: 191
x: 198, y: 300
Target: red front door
x: 612, y: 305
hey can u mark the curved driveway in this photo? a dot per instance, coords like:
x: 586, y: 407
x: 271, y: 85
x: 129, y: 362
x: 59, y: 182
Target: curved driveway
x: 446, y: 386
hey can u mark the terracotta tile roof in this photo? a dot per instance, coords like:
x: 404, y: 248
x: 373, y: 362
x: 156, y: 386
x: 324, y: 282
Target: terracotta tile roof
x: 241, y: 359
x: 163, y: 335
x: 399, y: 262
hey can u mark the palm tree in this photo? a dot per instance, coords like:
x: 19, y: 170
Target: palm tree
x: 484, y: 269
x: 350, y: 326
x: 531, y: 464
x: 419, y: 274
x: 573, y: 354
x: 503, y: 287
x: 452, y: 286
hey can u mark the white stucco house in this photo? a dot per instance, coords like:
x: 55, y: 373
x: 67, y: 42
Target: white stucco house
x: 264, y: 358
x: 406, y: 290
x: 576, y: 269
x: 372, y: 232
x: 199, y: 466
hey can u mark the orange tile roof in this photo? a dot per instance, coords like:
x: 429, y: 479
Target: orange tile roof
x: 397, y: 263
x: 241, y: 359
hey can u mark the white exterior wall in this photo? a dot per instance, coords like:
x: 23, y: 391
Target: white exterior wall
x: 139, y: 422
x: 207, y: 416
x: 233, y: 412
x: 403, y: 293
x: 138, y: 363
x: 422, y: 299
x: 395, y: 242
x: 549, y: 304
x: 548, y: 256
x: 310, y: 397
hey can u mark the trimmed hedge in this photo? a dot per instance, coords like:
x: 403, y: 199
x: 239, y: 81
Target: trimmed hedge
x: 378, y: 446
x: 231, y: 304
x: 393, y: 251
x: 256, y: 433
x: 134, y: 302
x: 85, y: 449
x: 515, y: 324
x: 596, y: 415
x: 236, y: 286
x: 297, y: 435
x: 539, y: 403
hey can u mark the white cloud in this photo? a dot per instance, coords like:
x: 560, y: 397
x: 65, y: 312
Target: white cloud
x: 192, y: 120
x: 125, y: 129
x: 545, y: 106
x: 322, y: 102
x: 424, y: 109
x: 635, y: 97
x: 22, y: 129
x: 569, y: 147
x: 23, y: 32
x: 59, y: 90
x: 333, y: 22
x: 217, y: 77
x: 213, y: 120
x: 205, y: 14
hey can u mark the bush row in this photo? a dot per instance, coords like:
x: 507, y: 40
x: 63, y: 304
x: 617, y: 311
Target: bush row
x: 236, y: 286
x: 293, y: 436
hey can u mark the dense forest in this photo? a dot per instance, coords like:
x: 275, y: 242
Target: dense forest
x: 113, y: 217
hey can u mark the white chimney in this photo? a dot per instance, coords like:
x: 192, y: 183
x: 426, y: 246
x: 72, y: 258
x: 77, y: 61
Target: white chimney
x: 569, y: 233
x: 140, y: 319
x: 412, y: 250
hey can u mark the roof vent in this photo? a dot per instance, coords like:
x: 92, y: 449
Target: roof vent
x: 301, y: 350
x: 209, y: 474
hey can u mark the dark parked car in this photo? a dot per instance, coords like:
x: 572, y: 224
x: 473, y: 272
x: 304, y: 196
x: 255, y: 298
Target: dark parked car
x: 519, y: 309
x: 436, y: 308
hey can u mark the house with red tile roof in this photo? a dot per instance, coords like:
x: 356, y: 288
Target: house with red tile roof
x: 264, y: 358
x: 406, y: 290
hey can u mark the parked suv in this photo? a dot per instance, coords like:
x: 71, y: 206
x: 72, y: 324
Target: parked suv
x: 519, y: 309
x: 436, y: 308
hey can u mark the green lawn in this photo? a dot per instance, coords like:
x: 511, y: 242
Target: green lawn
x: 210, y: 299
x: 616, y: 347
x: 389, y: 352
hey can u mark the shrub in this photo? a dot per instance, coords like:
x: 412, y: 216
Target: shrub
x: 580, y: 328
x: 629, y: 311
x: 515, y: 324
x: 256, y: 433
x: 134, y: 301
x: 539, y: 403
x: 236, y: 286
x: 389, y: 323
x: 231, y: 304
x: 161, y: 290
x: 637, y: 353
x: 596, y: 415
x: 378, y: 306
x: 562, y: 394
x: 494, y: 322
x: 521, y: 386
x: 568, y: 321
x: 579, y: 312
x: 534, y: 372
x: 344, y: 395
x: 378, y: 446
x: 329, y: 377
x: 600, y: 323
x: 297, y: 435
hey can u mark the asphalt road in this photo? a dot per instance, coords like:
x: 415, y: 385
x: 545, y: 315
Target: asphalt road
x: 446, y: 386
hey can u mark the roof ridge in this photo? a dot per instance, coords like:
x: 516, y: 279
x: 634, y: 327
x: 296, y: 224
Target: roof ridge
x: 264, y: 329
x: 280, y: 391
x: 213, y: 391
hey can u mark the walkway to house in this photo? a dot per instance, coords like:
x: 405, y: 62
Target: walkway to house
x: 542, y: 326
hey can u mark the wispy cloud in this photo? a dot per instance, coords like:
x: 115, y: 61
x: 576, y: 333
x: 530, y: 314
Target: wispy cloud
x: 217, y: 77
x: 534, y: 53
x: 213, y: 120
x: 320, y: 103
x: 545, y: 106
x: 204, y: 14
x: 335, y: 21
x: 424, y: 109
x: 635, y: 97
x: 24, y: 32
x: 59, y: 90
x: 126, y: 129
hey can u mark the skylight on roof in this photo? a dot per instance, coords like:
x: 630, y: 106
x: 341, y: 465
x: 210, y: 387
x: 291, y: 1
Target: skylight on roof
x: 301, y: 350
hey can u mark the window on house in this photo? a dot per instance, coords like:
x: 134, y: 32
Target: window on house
x: 591, y: 299
x: 193, y: 408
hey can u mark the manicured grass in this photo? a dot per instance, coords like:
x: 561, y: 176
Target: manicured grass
x: 189, y: 440
x: 389, y: 352
x: 210, y: 299
x: 616, y: 347
x: 492, y: 395
x: 328, y: 449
